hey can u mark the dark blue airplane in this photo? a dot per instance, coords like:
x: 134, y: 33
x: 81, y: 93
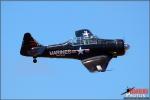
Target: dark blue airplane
x: 95, y: 53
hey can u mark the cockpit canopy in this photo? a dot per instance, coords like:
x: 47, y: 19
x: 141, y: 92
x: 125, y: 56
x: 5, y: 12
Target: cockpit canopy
x: 83, y: 37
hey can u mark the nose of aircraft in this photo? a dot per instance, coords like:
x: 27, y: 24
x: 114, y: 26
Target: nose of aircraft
x: 126, y: 46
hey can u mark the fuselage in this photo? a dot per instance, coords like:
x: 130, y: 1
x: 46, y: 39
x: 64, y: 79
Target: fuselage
x: 82, y: 51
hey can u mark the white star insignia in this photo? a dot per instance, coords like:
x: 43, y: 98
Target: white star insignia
x: 80, y: 51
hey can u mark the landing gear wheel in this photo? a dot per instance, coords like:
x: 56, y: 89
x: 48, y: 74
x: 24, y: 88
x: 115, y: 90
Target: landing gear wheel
x: 34, y: 60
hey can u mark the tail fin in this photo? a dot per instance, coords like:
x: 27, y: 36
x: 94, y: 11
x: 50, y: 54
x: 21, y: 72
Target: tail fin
x: 27, y: 44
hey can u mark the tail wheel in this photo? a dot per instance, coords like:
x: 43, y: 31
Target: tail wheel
x: 34, y: 60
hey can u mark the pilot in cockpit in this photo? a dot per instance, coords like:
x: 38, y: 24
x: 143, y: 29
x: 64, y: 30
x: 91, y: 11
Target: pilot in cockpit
x: 85, y: 37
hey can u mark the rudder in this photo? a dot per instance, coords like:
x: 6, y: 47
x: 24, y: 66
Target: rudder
x: 27, y: 44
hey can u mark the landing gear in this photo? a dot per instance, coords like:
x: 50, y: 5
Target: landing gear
x: 34, y: 60
x: 99, y: 68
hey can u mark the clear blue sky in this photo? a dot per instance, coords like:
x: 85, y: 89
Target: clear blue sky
x: 55, y: 22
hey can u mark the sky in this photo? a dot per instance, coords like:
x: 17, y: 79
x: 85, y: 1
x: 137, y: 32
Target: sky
x: 52, y: 22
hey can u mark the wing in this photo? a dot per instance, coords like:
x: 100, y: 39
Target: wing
x: 97, y: 63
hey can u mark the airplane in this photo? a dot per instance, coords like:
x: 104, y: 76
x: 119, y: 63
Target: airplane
x: 127, y: 90
x: 94, y: 53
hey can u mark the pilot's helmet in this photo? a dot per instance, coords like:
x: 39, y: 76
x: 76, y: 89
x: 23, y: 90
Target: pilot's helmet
x: 83, y: 33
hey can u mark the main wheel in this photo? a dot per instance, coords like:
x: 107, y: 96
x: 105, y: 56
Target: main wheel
x: 34, y: 60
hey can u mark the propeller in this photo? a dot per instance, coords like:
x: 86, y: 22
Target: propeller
x: 126, y: 45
